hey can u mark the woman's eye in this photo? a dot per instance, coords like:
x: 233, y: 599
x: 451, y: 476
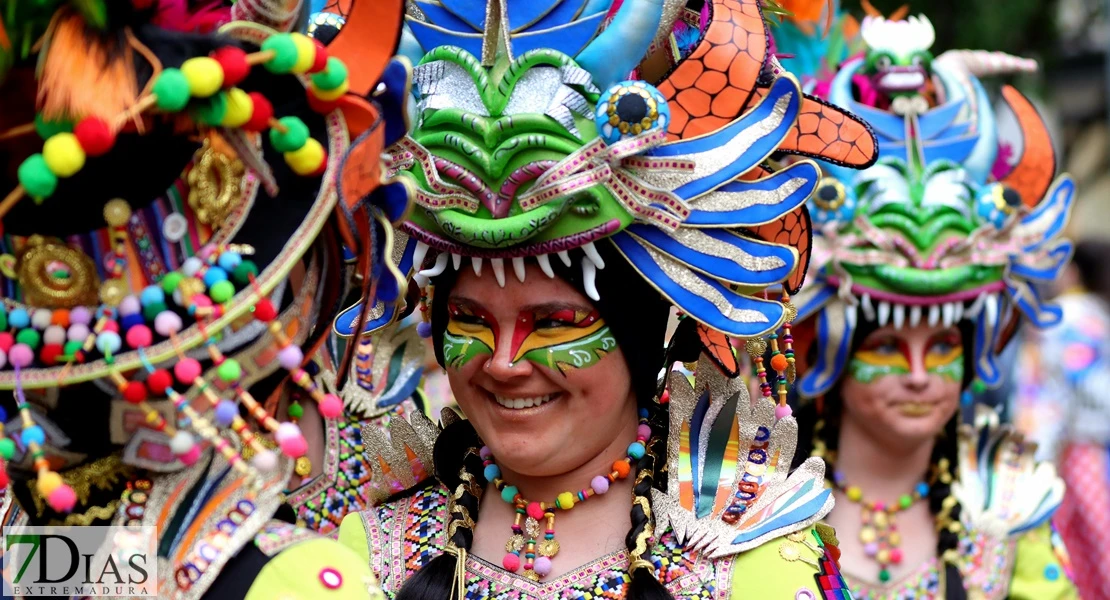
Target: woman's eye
x: 468, y: 319
x: 550, y: 324
x: 942, y: 347
x: 886, y: 347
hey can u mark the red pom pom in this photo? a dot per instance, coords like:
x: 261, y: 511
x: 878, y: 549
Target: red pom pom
x: 62, y: 499
x: 139, y: 336
x: 261, y: 115
x: 159, y: 381
x: 6, y: 341
x: 319, y: 106
x: 320, y: 62
x: 233, y: 61
x: 134, y: 392
x: 50, y: 353
x: 94, y: 135
x: 187, y: 370
x: 264, y: 310
x: 110, y: 325
x: 3, y: 477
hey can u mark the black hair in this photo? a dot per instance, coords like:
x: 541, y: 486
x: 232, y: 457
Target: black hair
x: 819, y: 435
x: 1094, y: 271
x: 637, y: 317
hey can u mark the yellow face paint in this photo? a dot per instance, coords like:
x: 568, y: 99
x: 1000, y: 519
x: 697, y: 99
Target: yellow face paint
x: 890, y: 355
x: 945, y: 357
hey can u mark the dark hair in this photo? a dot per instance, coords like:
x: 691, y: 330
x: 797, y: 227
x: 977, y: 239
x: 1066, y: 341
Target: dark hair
x: 1090, y: 260
x: 819, y: 435
x: 637, y: 316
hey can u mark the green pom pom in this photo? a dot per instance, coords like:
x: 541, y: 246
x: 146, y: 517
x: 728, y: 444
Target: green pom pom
x: 37, y: 178
x: 171, y: 281
x: 229, y: 371
x: 978, y: 386
x: 331, y: 77
x: 294, y: 138
x: 152, y: 310
x: 3, y: 319
x: 285, y: 53
x: 30, y: 337
x: 171, y: 90
x: 211, y: 110
x: 47, y: 129
x: 296, y: 411
x: 7, y: 448
x: 71, y: 348
x: 243, y: 273
x: 222, y: 291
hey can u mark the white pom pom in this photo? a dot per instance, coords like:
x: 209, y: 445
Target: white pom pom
x: 181, y: 443
x: 191, y: 266
x: 287, y: 430
x: 265, y: 461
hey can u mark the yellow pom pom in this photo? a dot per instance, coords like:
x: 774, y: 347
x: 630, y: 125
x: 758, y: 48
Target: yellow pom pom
x: 48, y: 482
x: 565, y: 501
x: 240, y: 107
x: 306, y: 53
x: 308, y: 159
x: 63, y: 154
x: 204, y: 74
x: 854, y: 493
x: 329, y: 95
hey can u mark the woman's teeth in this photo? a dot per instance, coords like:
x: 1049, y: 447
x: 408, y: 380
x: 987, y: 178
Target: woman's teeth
x: 519, y: 403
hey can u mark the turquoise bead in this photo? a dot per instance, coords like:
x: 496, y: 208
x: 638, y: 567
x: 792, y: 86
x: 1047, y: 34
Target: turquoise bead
x: 491, y: 472
x: 508, y: 493
x: 636, y: 450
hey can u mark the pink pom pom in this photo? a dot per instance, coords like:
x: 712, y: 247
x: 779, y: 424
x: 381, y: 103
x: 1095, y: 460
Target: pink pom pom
x: 186, y: 371
x: 511, y: 562
x: 871, y: 549
x: 129, y: 306
x: 294, y: 447
x: 331, y: 407
x: 167, y: 322
x: 485, y: 453
x: 542, y: 566
x: 21, y: 355
x: 190, y: 457
x: 265, y: 461
x: 783, y: 411
x: 110, y: 325
x: 290, y: 357
x: 202, y: 301
x: 643, y: 432
x: 535, y: 511
x: 599, y: 484
x: 62, y: 499
x: 896, y: 556
x: 7, y: 340
x: 139, y: 336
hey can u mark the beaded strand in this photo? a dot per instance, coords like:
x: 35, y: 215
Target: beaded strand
x: 879, y: 532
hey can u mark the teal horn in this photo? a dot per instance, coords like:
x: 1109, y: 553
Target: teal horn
x: 611, y: 56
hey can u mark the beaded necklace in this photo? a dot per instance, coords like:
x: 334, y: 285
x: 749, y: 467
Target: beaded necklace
x: 879, y: 532
x: 526, y: 538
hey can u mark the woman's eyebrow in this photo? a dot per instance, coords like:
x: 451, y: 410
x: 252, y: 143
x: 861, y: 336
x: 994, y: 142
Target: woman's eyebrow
x: 553, y: 307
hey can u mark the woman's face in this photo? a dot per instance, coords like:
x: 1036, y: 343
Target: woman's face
x: 537, y: 372
x: 903, y: 385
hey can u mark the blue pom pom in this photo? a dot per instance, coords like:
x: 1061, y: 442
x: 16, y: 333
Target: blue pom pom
x: 33, y: 435
x: 214, y: 275
x: 226, y: 411
x: 229, y: 260
x: 424, y: 329
x: 491, y: 472
x: 922, y: 489
x: 129, y: 321
x: 152, y: 294
x: 636, y: 450
x: 388, y: 290
x: 19, y: 319
x: 3, y: 415
x: 643, y: 413
x: 394, y: 201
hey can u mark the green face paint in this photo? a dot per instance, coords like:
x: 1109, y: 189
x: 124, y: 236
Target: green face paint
x: 946, y: 357
x: 460, y: 350
x: 868, y: 365
x: 890, y: 356
x: 578, y: 353
x: 471, y: 332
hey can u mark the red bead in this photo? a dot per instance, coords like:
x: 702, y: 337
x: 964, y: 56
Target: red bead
x: 261, y: 115
x: 264, y: 310
x: 896, y: 556
x: 50, y: 353
x: 320, y: 62
x: 233, y: 61
x: 4, y: 477
x: 134, y: 392
x: 319, y: 106
x: 94, y: 135
x: 159, y: 381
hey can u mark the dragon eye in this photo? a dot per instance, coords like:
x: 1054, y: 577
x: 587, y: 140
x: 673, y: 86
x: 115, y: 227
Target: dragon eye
x: 883, y: 62
x: 630, y: 108
x: 830, y: 194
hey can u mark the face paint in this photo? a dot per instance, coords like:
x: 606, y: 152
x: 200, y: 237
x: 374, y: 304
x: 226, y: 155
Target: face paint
x: 886, y: 357
x: 945, y: 357
x: 562, y: 339
x: 471, y: 332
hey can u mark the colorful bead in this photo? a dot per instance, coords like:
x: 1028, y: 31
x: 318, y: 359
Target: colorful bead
x: 622, y: 469
x: 491, y: 472
x: 139, y: 336
x: 261, y: 113
x: 291, y: 136
x: 308, y: 159
x: 238, y: 109
x: 32, y: 435
x: 508, y: 493
x: 511, y: 562
x: 221, y: 291
x: 535, y: 510
x: 331, y: 407
x: 233, y: 63
x: 306, y: 53
x: 542, y: 566
x: 782, y: 411
x: 290, y: 357
x: 229, y: 371
x: 330, y: 95
x: 64, y: 155
x: 211, y: 110
x: 186, y: 370
x: 171, y: 90
x: 46, y: 128
x: 21, y: 355
x: 108, y: 342
x: 599, y: 484
x: 40, y: 319
x: 854, y: 493
x: 204, y: 75
x: 284, y: 51
x: 565, y: 501
x: 333, y: 76
x: 636, y: 450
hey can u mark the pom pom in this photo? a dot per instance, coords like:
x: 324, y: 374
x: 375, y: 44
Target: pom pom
x: 7, y: 447
x: 152, y: 294
x: 265, y: 461
x: 294, y: 447
x: 129, y: 306
x: 28, y: 337
x: 74, y: 350
x: 111, y: 326
x: 331, y: 77
x: 782, y: 411
x: 226, y: 411
x: 134, y: 392
x: 80, y: 315
x: 192, y: 266
x: 62, y: 499
x: 222, y: 291
x: 37, y: 178
x: 535, y: 510
x: 264, y: 310
x: 167, y: 323
x: 320, y: 61
x: 108, y: 342
x: 204, y: 75
x: 424, y: 329
x: 295, y: 411
x: 485, y: 453
x: 261, y: 113
x: 171, y: 90
x: 491, y: 472
x: 331, y: 407
x: 95, y: 136
x: 59, y: 317
x: 50, y: 353
x: 565, y: 501
x: 46, y: 129
x: 32, y: 435
x: 293, y: 138
x: 229, y: 260
x: 286, y: 431
x: 238, y: 110
x: 229, y: 371
x: 308, y: 159
x: 318, y: 106
x: 181, y: 442
x: 511, y: 562
x: 139, y: 336
x: 244, y: 272
x: 542, y: 566
x: 63, y: 155
x: 636, y: 450
x: 621, y: 468
x: 48, y: 482
x: 159, y: 381
x: 509, y: 493
x: 4, y: 360
x: 21, y: 355
x: 20, y: 318
x: 306, y: 53
x: 643, y: 431
x: 40, y: 319
x: 211, y: 110
x: 233, y: 63
x: 779, y: 362
x: 599, y: 484
x: 190, y: 457
x: 329, y: 95
x: 290, y: 357
x: 186, y: 370
x: 54, y: 335
x: 171, y: 281
x: 285, y: 53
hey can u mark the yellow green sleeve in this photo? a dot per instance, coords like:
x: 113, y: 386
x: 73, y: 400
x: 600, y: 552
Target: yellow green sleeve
x: 787, y: 568
x: 352, y: 534
x: 314, y: 569
x: 1039, y: 570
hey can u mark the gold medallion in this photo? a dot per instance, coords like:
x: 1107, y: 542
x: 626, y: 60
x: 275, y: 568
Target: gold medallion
x: 514, y: 543
x: 547, y: 548
x: 303, y: 466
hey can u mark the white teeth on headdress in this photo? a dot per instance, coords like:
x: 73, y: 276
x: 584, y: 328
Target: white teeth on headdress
x: 545, y: 265
x: 947, y: 311
x: 439, y: 267
x: 476, y: 263
x: 420, y: 280
x: 591, y: 253
x: 851, y: 315
x: 915, y: 316
x: 498, y: 265
x: 959, y: 312
x: 899, y: 316
x: 418, y: 255
x: 990, y: 308
x: 589, y: 273
x: 456, y: 260
x: 972, y: 311
x: 518, y: 267
x: 563, y: 256
x: 868, y: 308
x: 884, y: 313
x: 934, y: 315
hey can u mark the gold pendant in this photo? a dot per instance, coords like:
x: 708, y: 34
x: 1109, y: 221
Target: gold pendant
x: 530, y: 574
x: 532, y: 528
x: 548, y: 548
x: 514, y: 543
x: 303, y: 466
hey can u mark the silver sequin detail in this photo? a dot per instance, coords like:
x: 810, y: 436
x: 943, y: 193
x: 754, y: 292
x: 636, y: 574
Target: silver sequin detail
x: 728, y: 201
x: 706, y: 244
x: 443, y: 84
x: 547, y: 90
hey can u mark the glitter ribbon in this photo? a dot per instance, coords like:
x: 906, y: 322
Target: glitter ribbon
x: 442, y: 195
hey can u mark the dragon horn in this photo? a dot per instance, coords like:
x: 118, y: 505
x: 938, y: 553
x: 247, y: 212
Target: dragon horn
x: 611, y: 56
x: 982, y: 63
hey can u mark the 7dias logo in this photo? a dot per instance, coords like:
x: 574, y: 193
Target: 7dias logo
x: 115, y: 562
